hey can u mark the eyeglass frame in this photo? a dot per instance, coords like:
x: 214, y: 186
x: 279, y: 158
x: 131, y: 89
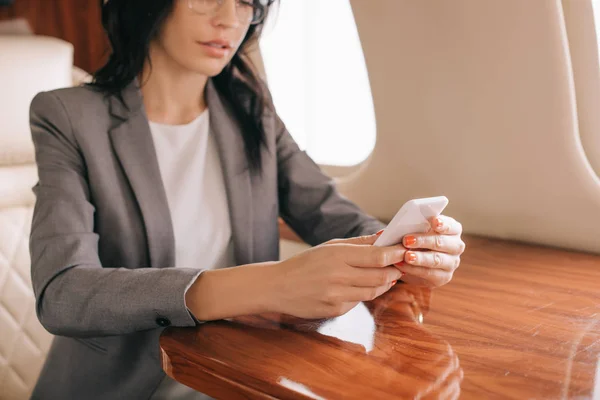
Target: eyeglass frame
x: 219, y: 3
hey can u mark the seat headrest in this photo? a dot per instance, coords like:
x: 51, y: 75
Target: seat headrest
x: 29, y: 65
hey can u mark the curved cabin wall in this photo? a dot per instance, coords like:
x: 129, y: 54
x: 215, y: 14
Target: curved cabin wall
x: 583, y: 44
x: 476, y: 100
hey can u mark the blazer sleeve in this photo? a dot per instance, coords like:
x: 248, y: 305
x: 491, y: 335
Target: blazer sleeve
x: 75, y: 294
x: 309, y: 201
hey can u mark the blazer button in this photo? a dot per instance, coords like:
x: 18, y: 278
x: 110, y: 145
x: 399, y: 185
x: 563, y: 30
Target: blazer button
x: 162, y: 321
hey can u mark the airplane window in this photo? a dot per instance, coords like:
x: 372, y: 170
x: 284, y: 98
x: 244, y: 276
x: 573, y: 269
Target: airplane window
x: 317, y: 74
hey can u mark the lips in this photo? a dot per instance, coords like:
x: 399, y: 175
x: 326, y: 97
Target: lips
x: 219, y: 48
x: 218, y: 44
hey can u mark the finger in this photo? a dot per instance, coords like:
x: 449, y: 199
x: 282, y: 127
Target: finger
x: 446, y: 225
x: 432, y: 259
x: 435, y: 277
x: 442, y: 243
x: 370, y: 256
x: 372, y: 277
x: 360, y: 240
x: 352, y: 294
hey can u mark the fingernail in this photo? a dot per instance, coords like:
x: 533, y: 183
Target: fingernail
x: 393, y: 283
x: 379, y: 233
x: 410, y: 240
x: 411, y: 257
x: 439, y: 224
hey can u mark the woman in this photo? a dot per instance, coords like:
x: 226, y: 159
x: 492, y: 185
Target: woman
x: 171, y: 166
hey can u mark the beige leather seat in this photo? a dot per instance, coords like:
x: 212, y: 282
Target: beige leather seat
x: 28, y: 65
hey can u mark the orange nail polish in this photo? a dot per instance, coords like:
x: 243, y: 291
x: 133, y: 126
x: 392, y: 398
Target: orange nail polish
x: 439, y: 224
x: 410, y: 240
x: 411, y: 257
x: 379, y: 233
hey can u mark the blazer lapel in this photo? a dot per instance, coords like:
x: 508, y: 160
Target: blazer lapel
x: 228, y: 135
x: 132, y: 141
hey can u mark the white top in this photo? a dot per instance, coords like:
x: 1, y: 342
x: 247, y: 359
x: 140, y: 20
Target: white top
x: 193, y: 179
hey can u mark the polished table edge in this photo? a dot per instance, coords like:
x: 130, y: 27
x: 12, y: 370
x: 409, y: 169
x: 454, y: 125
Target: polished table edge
x: 228, y: 388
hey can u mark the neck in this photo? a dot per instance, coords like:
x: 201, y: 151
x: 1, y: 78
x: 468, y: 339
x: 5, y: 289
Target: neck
x: 172, y: 95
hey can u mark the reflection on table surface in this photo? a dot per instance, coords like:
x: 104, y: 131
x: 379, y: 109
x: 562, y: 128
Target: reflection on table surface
x: 516, y: 322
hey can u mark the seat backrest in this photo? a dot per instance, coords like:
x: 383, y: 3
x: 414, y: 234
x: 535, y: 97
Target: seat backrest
x: 28, y: 65
x: 476, y: 100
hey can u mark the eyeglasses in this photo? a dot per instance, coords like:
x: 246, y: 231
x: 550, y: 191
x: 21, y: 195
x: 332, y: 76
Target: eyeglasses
x: 248, y: 11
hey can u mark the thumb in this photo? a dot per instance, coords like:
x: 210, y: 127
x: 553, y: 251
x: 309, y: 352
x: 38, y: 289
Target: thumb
x: 360, y: 240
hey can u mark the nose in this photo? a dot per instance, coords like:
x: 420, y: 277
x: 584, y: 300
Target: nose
x: 227, y: 15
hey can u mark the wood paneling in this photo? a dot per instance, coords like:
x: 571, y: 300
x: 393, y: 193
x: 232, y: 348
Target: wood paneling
x: 76, y: 21
x: 516, y: 322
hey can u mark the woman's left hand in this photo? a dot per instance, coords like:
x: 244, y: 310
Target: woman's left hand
x: 433, y: 257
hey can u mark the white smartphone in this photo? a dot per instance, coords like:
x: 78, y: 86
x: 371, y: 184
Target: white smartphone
x: 413, y: 217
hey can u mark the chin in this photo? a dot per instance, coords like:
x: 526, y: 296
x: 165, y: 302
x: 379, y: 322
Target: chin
x: 209, y: 68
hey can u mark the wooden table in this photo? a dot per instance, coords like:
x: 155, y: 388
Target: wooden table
x: 517, y: 322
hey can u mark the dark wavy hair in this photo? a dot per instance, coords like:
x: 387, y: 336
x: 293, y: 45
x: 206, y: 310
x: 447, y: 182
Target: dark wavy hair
x: 131, y: 25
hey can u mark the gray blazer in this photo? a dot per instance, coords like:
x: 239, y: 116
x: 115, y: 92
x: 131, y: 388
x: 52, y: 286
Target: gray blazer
x: 102, y: 244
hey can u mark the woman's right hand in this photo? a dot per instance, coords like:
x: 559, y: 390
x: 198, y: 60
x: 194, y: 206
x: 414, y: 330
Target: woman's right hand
x: 328, y: 280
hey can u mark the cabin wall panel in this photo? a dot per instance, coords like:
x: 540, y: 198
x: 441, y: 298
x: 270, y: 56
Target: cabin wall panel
x: 76, y: 21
